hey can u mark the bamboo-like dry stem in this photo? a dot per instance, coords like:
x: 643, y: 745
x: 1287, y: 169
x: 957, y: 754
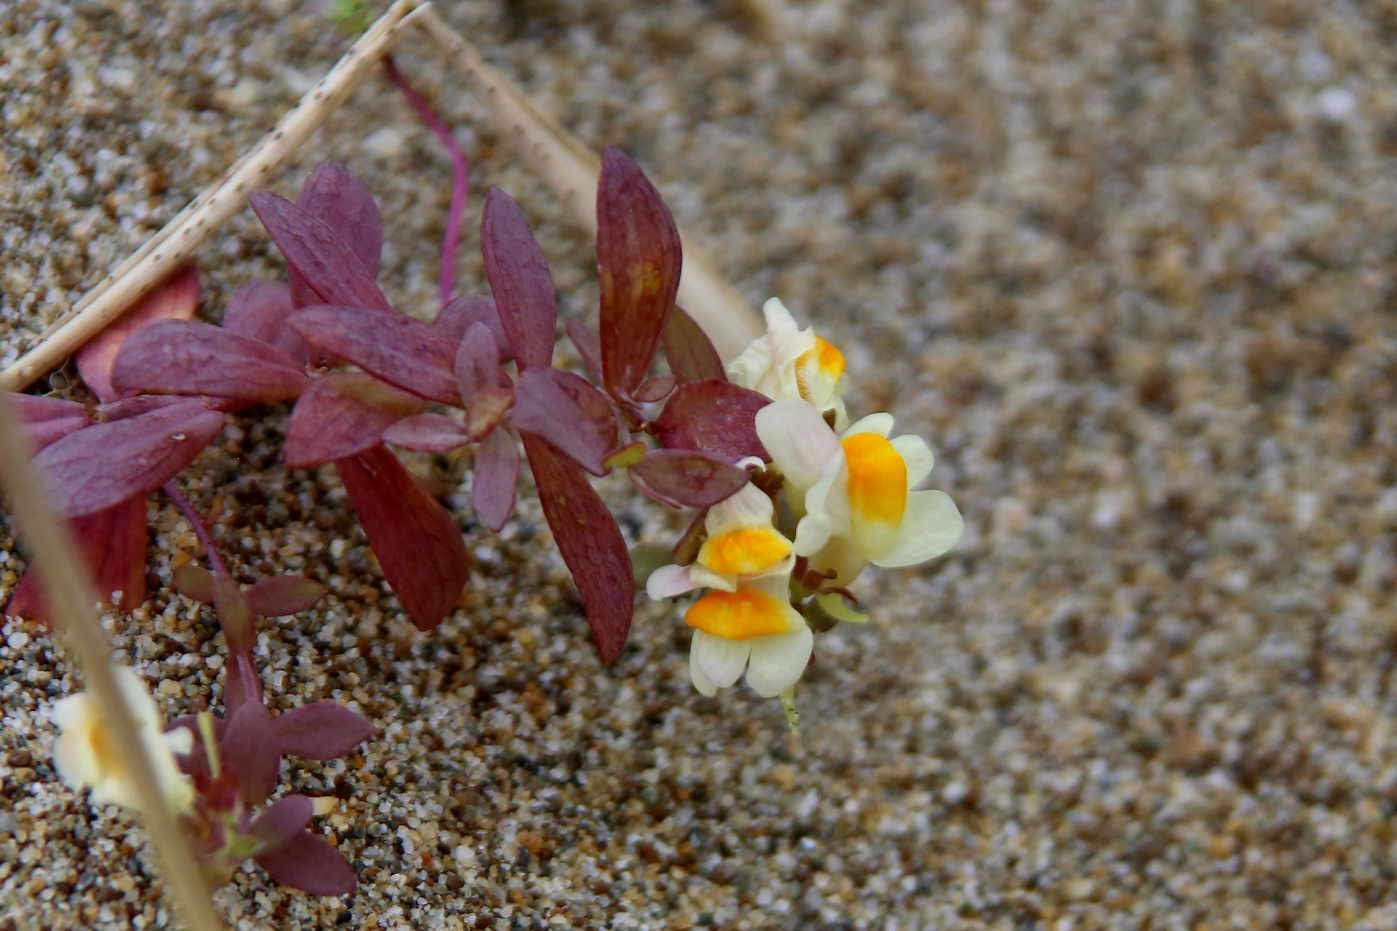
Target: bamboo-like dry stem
x: 150, y: 264
x: 70, y: 592
x: 571, y: 169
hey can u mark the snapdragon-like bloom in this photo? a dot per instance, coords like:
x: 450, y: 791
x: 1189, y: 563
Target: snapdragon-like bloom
x: 746, y: 621
x: 86, y: 754
x: 742, y: 543
x: 755, y: 628
x: 789, y: 363
x: 854, y: 491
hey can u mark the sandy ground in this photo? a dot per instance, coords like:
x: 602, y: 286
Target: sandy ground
x: 1126, y: 265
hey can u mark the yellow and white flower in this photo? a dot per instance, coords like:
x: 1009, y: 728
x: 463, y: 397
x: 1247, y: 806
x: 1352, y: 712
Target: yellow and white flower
x: 86, y: 753
x: 854, y: 491
x: 746, y: 621
x: 754, y: 628
x: 789, y: 363
x: 741, y: 543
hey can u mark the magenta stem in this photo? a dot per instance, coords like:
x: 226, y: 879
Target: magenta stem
x: 459, y: 184
x: 201, y: 530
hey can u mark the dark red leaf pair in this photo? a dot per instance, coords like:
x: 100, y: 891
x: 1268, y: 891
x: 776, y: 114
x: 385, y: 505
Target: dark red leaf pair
x: 278, y: 596
x: 328, y: 263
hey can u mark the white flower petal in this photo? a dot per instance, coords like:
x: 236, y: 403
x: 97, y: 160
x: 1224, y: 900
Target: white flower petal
x: 812, y: 533
x: 930, y: 527
x: 701, y: 682
x: 753, y: 365
x: 781, y: 327
x: 917, y: 454
x: 826, y: 509
x: 747, y: 507
x: 669, y: 582
x: 721, y: 660
x: 880, y: 423
x: 778, y: 661
x: 799, y: 440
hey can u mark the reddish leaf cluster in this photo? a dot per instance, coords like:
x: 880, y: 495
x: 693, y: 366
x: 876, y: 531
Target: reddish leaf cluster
x: 241, y: 771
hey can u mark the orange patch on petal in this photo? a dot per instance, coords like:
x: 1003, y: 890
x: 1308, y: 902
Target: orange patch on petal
x: 826, y: 361
x: 740, y: 615
x: 877, y: 479
x: 745, y: 551
x: 831, y: 360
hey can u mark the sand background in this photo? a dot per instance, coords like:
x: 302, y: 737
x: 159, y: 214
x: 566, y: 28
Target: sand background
x: 1127, y: 266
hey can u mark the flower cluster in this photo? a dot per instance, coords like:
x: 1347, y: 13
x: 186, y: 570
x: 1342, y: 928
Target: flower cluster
x: 850, y: 501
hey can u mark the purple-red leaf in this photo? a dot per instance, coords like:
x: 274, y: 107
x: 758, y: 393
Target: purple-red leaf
x: 194, y: 582
x: 333, y: 195
x: 132, y: 407
x: 680, y: 477
x: 193, y: 357
x: 283, y: 595
x: 259, y: 310
x: 175, y: 299
x: 689, y: 350
x: 566, y: 410
x: 113, y: 545
x: 519, y: 279
x: 428, y: 433
x: 398, y: 349
x: 49, y: 419
x: 638, y: 261
x: 587, y: 343
x: 281, y: 821
x: 417, y: 543
x: 249, y: 747
x: 105, y: 464
x: 456, y: 318
x: 713, y: 417
x: 655, y: 389
x: 308, y: 862
x: 327, y: 264
x: 342, y: 414
x: 478, y: 363
x: 591, y: 544
x: 495, y: 479
x: 321, y: 731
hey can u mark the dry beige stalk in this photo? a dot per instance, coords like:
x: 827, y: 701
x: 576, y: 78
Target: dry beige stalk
x: 69, y: 590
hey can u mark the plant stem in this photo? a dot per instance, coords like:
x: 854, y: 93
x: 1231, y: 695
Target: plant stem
x: 459, y: 182
x: 201, y: 530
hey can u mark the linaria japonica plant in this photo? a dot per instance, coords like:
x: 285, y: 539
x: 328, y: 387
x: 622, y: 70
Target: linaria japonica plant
x: 789, y: 501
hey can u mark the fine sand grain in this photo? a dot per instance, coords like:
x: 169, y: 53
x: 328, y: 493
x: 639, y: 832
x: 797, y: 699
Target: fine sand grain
x: 1127, y: 265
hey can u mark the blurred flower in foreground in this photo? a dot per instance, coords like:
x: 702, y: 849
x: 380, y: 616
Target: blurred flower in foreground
x: 87, y: 756
x: 790, y: 363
